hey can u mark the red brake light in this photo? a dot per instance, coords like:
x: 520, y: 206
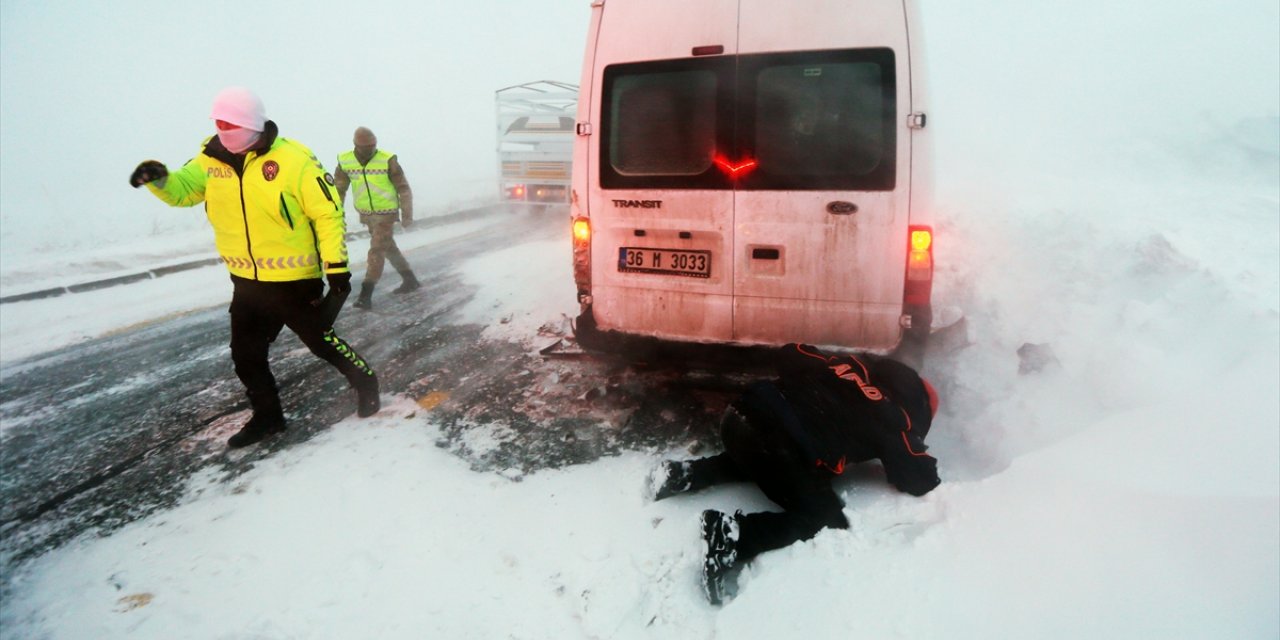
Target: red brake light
x: 737, y: 169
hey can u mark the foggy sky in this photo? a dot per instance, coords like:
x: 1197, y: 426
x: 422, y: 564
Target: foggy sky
x: 87, y: 90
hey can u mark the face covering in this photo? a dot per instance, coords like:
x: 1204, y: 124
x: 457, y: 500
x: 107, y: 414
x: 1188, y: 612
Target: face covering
x: 238, y: 140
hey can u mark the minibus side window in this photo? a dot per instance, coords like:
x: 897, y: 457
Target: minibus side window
x: 663, y: 123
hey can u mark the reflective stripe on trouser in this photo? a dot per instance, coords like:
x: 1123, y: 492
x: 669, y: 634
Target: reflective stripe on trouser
x: 259, y: 310
x: 382, y: 247
x: 349, y: 353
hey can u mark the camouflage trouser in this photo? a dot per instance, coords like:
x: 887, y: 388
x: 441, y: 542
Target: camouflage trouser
x: 382, y: 246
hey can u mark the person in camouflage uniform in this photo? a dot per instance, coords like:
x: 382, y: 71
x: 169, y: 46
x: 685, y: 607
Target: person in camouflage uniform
x: 381, y: 195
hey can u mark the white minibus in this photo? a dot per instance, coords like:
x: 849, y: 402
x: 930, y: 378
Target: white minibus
x: 753, y: 172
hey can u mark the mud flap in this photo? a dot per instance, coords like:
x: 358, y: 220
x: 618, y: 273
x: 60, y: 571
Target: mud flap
x: 584, y: 340
x: 947, y: 331
x: 567, y: 348
x: 950, y: 330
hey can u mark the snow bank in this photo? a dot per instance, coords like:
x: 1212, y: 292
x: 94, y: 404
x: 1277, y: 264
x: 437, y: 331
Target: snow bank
x: 523, y: 288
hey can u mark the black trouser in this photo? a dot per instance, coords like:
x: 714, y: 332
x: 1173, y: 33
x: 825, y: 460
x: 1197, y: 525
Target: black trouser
x: 259, y: 310
x: 758, y: 449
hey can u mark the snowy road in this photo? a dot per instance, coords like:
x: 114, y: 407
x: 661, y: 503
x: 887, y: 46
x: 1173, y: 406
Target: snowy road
x: 105, y: 432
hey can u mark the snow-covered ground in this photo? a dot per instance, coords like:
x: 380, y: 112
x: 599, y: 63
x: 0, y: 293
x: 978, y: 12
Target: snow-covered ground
x: 1128, y: 489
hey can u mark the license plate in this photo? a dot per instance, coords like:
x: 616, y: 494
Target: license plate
x: 672, y: 262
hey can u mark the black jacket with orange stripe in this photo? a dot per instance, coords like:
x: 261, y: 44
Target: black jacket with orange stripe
x: 854, y: 408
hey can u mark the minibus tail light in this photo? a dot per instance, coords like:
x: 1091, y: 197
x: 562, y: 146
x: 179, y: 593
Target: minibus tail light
x: 921, y: 239
x: 582, y: 256
x: 919, y: 282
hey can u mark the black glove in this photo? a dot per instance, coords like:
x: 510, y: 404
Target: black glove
x: 147, y: 171
x: 916, y: 475
x: 340, y: 282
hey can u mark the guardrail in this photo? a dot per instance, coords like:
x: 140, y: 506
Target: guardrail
x: 156, y: 272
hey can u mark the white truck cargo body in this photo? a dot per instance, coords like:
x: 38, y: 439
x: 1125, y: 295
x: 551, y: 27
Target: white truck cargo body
x: 753, y: 172
x: 535, y: 142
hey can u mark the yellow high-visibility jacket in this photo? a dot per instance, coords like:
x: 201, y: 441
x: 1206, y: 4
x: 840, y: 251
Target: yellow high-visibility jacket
x: 278, y: 219
x: 378, y: 187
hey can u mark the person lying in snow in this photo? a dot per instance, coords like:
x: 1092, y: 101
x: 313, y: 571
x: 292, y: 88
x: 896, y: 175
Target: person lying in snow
x: 792, y: 436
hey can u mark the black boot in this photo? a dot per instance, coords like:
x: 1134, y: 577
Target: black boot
x: 668, y: 479
x: 366, y: 386
x: 720, y: 535
x: 267, y: 419
x: 673, y: 477
x: 410, y: 283
x: 365, y: 301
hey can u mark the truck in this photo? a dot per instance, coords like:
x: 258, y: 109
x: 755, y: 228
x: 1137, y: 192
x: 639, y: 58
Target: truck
x: 535, y: 143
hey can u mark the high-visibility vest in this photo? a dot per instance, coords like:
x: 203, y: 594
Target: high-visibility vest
x: 278, y: 221
x: 371, y: 189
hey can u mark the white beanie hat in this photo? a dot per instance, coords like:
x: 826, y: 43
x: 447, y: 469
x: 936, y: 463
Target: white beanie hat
x: 240, y: 107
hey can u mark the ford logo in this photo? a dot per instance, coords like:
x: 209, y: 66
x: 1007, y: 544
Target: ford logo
x: 841, y: 208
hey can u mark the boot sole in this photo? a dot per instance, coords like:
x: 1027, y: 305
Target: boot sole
x: 261, y: 436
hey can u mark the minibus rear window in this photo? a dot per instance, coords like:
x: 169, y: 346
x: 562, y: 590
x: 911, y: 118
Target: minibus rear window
x: 663, y: 123
x: 823, y: 126
x: 800, y: 120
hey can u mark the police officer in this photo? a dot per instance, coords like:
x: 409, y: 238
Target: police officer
x: 380, y: 191
x: 278, y: 226
x: 792, y: 436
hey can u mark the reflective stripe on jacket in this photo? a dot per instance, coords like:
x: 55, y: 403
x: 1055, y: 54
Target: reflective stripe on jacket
x: 278, y: 220
x: 372, y: 191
